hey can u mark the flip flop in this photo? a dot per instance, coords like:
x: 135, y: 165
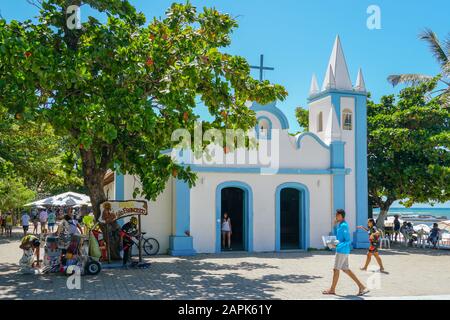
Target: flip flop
x: 363, y: 292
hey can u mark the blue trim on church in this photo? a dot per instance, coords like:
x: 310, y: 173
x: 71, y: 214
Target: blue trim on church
x: 360, y: 238
x: 180, y: 243
x: 337, y: 161
x: 119, y: 186
x: 314, y: 136
x: 304, y: 214
x: 269, y: 130
x: 272, y: 108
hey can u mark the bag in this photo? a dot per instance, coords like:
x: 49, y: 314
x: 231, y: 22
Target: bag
x: 94, y: 248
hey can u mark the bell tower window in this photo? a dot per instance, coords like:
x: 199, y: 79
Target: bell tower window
x: 264, y: 128
x: 347, y: 120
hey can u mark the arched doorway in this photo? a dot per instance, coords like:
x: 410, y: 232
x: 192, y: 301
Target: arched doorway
x: 292, y: 217
x: 236, y: 199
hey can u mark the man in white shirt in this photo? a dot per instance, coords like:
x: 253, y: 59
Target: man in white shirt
x: 43, y: 217
x: 25, y: 222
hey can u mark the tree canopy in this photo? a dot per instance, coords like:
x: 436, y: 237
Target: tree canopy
x: 117, y: 90
x: 408, y: 148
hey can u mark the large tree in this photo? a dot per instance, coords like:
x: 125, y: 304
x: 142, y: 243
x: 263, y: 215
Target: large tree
x: 408, y: 149
x: 119, y: 89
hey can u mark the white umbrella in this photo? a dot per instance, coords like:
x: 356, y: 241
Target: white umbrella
x: 68, y: 199
x: 422, y: 227
x: 444, y: 225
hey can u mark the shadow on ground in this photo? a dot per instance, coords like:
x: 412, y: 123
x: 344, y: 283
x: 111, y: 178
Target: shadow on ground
x: 180, y: 279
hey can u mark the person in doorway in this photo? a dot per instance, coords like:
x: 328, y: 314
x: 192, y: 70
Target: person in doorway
x: 51, y: 221
x: 374, y: 236
x: 226, y: 231
x: 25, y: 222
x: 128, y: 230
x: 343, y: 248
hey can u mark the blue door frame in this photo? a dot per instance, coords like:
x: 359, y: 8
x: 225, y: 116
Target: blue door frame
x: 304, y: 214
x: 248, y: 213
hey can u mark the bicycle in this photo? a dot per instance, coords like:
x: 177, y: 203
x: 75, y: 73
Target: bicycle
x: 150, y: 246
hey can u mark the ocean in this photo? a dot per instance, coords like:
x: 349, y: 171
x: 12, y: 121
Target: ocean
x: 437, y: 212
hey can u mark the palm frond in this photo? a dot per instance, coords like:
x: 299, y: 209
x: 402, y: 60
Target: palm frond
x: 446, y: 69
x: 411, y: 79
x: 436, y: 48
x: 447, y: 44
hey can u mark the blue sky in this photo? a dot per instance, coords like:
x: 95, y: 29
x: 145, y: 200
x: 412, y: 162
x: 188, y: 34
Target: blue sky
x: 296, y: 37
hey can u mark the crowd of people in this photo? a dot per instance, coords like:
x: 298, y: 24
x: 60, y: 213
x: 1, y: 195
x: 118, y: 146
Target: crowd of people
x: 45, y: 221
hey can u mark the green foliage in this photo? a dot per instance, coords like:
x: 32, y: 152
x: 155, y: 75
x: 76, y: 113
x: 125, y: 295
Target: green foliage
x: 118, y: 90
x: 409, y: 143
x: 302, y: 116
x: 14, y: 194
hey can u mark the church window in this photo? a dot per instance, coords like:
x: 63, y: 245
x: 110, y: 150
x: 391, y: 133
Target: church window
x: 347, y: 120
x: 320, y: 122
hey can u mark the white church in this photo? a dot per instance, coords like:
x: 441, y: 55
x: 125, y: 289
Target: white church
x: 289, y: 206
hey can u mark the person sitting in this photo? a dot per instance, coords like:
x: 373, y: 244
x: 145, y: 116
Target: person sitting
x: 30, y: 245
x: 129, y: 230
x: 433, y: 238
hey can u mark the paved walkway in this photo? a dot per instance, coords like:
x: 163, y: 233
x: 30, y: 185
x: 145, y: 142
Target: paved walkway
x: 414, y: 273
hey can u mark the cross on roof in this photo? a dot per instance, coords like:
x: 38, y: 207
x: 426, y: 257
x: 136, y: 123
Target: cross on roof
x: 261, y: 68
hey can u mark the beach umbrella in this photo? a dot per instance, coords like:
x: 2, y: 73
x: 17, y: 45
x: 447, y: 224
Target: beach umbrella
x: 422, y: 227
x: 67, y: 199
x: 444, y: 225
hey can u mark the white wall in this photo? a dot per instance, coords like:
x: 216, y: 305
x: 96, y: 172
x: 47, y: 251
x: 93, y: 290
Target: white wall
x: 158, y: 223
x: 203, y: 208
x: 315, y: 107
x: 110, y: 190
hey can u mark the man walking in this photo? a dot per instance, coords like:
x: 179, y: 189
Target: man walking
x: 343, y: 249
x: 43, y: 217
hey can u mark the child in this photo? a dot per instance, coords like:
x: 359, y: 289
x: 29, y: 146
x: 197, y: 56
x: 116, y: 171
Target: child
x: 374, y: 235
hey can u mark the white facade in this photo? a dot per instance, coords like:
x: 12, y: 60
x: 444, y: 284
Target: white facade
x: 325, y: 165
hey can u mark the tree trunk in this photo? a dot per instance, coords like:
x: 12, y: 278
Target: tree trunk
x: 93, y: 180
x: 384, y: 209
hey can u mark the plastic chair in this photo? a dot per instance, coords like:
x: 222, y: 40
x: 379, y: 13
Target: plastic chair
x: 384, y: 239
